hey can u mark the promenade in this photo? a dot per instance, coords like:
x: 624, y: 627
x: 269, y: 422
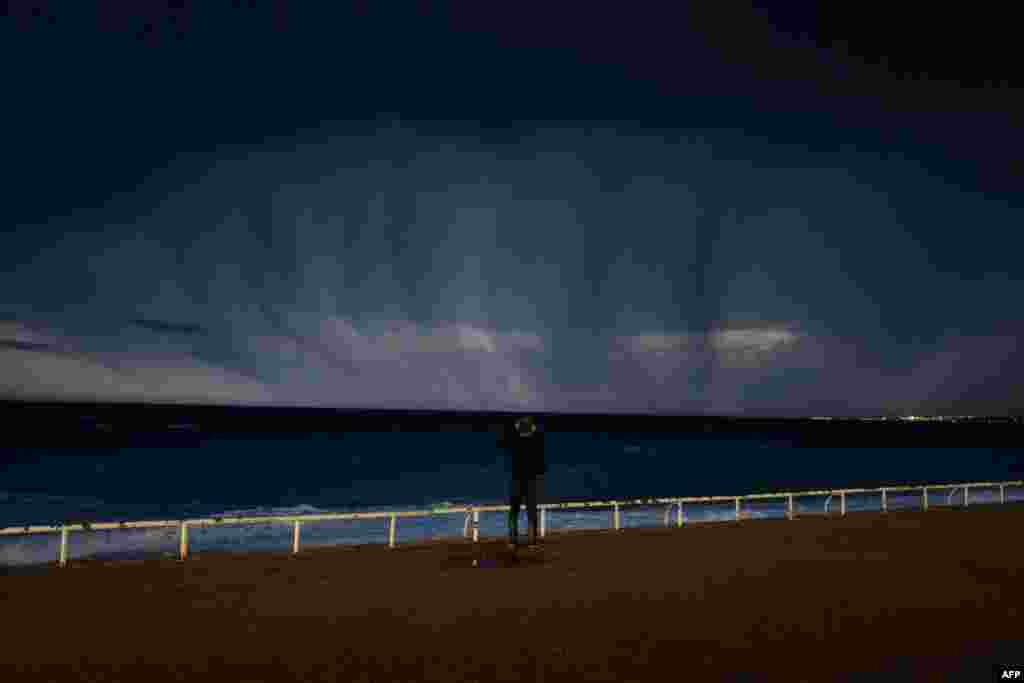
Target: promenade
x: 899, y: 596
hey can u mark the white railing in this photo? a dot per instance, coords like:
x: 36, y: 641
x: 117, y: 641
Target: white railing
x: 473, y: 513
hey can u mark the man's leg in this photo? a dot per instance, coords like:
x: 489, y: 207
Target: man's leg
x: 515, y: 502
x: 532, y: 511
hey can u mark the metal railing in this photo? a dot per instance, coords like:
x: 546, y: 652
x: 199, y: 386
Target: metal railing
x: 472, y: 520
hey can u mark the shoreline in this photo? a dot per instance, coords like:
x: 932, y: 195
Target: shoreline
x: 923, y: 593
x: 231, y: 544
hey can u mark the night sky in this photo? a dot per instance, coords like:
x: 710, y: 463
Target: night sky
x: 612, y: 209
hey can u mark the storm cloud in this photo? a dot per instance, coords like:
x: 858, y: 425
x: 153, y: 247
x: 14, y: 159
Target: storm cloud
x: 559, y: 272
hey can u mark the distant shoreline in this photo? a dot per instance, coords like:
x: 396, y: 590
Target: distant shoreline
x: 34, y: 424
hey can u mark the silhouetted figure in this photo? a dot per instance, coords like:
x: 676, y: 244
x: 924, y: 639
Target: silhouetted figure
x: 524, y: 444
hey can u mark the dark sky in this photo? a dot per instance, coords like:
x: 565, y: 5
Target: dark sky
x: 600, y: 206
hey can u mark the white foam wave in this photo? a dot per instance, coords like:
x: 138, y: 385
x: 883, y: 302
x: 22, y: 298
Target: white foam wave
x: 262, y: 511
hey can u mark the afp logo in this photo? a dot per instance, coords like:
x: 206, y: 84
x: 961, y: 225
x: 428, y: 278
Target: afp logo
x: 1009, y: 673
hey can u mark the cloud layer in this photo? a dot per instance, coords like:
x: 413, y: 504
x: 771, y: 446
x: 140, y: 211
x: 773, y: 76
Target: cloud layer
x: 400, y: 364
x: 566, y: 270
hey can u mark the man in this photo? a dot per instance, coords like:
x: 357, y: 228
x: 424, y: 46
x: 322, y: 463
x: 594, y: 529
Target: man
x: 524, y: 445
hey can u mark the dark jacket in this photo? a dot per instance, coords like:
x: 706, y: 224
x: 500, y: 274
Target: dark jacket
x: 525, y: 453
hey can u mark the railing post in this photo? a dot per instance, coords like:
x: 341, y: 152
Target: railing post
x: 668, y: 511
x: 615, y: 515
x: 476, y: 526
x: 183, y: 543
x: 828, y: 503
x: 737, y: 509
x: 680, y: 517
x: 1002, y: 494
x: 790, y: 512
x: 295, y: 538
x: 924, y: 497
x: 62, y: 554
x: 391, y: 530
x: 543, y: 522
x: 885, y: 501
x: 842, y: 503
x: 966, y: 494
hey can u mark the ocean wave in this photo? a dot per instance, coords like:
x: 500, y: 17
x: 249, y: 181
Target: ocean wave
x: 262, y: 511
x: 441, y: 505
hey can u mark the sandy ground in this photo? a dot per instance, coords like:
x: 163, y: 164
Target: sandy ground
x: 904, y: 596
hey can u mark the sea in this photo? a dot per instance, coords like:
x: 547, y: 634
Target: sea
x: 260, y: 476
